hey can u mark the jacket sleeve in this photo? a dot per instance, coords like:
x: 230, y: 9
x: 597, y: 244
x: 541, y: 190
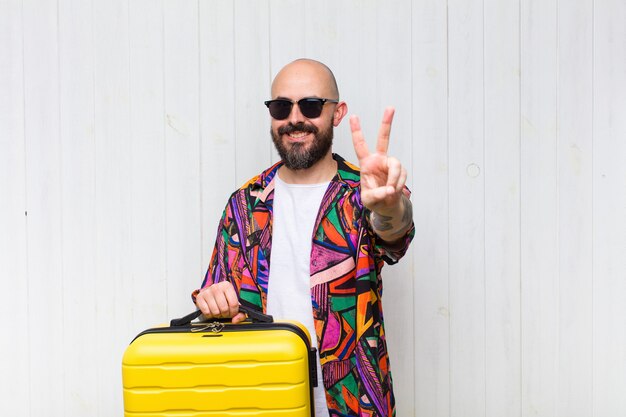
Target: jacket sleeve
x: 228, y: 260
x: 215, y: 272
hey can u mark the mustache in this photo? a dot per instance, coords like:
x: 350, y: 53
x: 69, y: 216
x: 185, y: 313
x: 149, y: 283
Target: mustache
x: 298, y: 127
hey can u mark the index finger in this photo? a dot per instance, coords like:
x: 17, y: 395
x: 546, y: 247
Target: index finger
x: 360, y: 146
x: 385, y: 130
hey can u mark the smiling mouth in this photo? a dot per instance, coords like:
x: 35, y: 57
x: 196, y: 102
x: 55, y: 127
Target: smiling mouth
x: 297, y: 131
x: 297, y: 135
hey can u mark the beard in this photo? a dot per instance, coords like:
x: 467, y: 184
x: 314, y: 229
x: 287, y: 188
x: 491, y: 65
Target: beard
x: 296, y: 155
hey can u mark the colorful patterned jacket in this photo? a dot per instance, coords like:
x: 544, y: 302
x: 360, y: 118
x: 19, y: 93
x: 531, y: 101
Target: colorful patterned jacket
x: 346, y: 286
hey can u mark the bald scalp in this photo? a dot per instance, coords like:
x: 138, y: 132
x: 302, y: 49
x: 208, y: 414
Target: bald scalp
x: 306, y: 66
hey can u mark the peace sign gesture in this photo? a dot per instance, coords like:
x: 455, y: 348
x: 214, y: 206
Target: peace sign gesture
x: 382, y: 177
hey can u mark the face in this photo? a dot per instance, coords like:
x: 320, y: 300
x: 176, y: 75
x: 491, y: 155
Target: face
x: 300, y: 141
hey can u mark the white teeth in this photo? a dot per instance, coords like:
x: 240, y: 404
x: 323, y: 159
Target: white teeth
x: 297, y: 135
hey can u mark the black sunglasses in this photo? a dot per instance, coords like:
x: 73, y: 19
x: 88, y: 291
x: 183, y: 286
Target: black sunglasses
x: 310, y: 107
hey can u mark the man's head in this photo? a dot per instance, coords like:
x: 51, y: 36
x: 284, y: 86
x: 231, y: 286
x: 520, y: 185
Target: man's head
x: 303, y: 139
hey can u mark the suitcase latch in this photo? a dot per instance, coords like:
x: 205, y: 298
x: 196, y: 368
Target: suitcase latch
x: 214, y: 326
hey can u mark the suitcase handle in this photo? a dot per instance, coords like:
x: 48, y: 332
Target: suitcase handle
x: 252, y: 313
x: 255, y: 315
x: 183, y: 321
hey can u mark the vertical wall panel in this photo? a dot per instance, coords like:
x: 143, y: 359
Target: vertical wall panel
x: 609, y: 206
x: 430, y: 210
x: 539, y: 332
x: 253, y: 152
x: 467, y: 194
x: 324, y: 35
x: 217, y: 117
x: 284, y: 49
x: 44, y: 206
x: 502, y: 207
x: 113, y: 272
x: 574, y: 95
x: 148, y: 167
x: 182, y: 153
x: 76, y: 105
x: 14, y: 350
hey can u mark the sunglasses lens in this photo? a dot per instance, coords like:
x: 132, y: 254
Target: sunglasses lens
x: 311, y: 107
x: 280, y: 109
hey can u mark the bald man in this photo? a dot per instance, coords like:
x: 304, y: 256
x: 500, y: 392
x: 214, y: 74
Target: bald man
x: 326, y: 228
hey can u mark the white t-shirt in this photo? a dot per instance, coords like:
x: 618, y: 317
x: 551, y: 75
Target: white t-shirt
x: 289, y: 290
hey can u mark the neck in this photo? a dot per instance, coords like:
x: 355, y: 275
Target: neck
x: 322, y: 171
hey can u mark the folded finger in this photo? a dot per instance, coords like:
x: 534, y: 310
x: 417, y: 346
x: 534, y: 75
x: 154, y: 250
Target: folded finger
x: 394, y: 169
x: 222, y: 303
x: 378, y: 194
x: 402, y: 180
x: 239, y: 317
x: 213, y: 308
x: 202, y: 304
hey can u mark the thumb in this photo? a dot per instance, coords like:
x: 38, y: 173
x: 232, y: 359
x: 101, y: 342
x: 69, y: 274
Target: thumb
x: 238, y: 318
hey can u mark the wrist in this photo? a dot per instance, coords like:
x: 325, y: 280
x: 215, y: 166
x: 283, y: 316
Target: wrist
x: 394, y: 223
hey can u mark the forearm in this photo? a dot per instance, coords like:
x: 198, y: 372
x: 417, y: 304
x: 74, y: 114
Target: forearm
x: 391, y: 225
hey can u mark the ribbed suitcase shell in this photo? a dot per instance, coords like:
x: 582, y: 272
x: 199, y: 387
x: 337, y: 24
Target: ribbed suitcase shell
x: 247, y: 369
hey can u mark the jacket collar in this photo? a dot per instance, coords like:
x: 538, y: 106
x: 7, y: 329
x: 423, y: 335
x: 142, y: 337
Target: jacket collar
x: 348, y: 175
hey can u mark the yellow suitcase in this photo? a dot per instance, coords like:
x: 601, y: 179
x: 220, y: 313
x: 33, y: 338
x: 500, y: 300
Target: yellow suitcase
x: 258, y: 368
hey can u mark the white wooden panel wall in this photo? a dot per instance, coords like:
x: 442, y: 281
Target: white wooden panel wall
x: 78, y: 182
x: 608, y: 361
x: 539, y: 214
x: 431, y: 264
x: 124, y: 126
x: 14, y: 346
x: 502, y: 213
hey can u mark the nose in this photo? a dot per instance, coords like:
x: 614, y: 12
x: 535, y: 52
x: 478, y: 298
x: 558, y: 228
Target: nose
x: 296, y: 115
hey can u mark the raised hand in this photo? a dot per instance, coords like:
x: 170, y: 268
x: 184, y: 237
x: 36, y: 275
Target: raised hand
x: 382, y: 182
x: 382, y: 177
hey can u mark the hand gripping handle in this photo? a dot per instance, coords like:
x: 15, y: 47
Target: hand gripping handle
x: 252, y: 313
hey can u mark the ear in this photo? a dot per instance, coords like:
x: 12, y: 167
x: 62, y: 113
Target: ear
x: 341, y: 109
